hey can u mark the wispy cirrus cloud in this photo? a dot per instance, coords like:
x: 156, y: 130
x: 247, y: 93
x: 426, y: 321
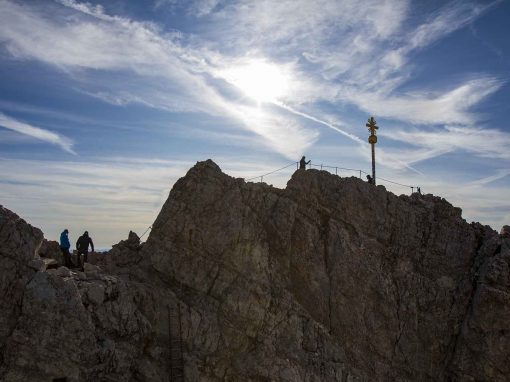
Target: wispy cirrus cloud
x: 483, y: 142
x: 168, y: 75
x: 431, y: 107
x: 37, y: 133
x: 342, y: 53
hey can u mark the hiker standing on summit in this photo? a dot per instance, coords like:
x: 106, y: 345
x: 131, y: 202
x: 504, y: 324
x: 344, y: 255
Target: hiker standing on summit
x: 82, y: 246
x: 303, y: 163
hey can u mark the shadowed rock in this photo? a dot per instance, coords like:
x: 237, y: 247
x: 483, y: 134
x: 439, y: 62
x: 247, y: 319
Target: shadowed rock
x: 330, y: 279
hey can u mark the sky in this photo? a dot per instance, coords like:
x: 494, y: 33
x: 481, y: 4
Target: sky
x: 104, y: 105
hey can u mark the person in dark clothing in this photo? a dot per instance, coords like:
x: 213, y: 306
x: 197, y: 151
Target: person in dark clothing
x: 303, y: 163
x: 82, y: 246
x: 64, y: 247
x: 370, y: 179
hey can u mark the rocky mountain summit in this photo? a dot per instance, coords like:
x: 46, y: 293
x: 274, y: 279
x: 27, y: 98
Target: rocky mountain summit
x: 330, y: 279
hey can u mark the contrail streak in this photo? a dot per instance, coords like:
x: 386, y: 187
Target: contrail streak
x: 312, y: 118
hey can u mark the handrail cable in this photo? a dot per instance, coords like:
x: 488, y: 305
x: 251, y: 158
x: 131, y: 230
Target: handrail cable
x: 143, y: 234
x: 321, y: 166
x: 400, y: 184
x: 272, y: 172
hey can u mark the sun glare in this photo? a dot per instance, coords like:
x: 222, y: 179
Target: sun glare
x: 261, y: 81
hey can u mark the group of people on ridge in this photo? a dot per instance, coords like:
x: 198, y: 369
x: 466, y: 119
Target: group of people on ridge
x: 82, y: 248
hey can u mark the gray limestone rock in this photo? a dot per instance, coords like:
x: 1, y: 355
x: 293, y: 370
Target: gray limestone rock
x: 51, y: 249
x: 19, y: 243
x: 63, y: 272
x: 87, y: 267
x: 330, y: 279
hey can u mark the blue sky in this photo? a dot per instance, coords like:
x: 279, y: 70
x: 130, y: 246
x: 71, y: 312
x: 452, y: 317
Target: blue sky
x: 104, y: 105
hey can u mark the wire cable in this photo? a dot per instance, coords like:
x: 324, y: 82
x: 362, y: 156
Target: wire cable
x: 321, y: 166
x: 272, y: 172
x: 147, y: 230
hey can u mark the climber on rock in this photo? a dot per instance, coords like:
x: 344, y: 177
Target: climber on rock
x: 82, y: 246
x: 303, y: 163
x: 64, y: 247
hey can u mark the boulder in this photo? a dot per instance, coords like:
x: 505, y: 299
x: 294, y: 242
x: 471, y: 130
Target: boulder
x: 87, y: 267
x: 51, y: 249
x: 96, y: 293
x: 37, y: 264
x: 63, y: 272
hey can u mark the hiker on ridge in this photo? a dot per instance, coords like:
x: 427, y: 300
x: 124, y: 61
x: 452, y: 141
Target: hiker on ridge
x: 82, y: 246
x: 370, y: 179
x: 303, y: 163
x: 64, y: 247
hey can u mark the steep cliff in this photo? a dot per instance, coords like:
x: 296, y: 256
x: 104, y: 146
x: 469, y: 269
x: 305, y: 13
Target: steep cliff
x: 330, y: 279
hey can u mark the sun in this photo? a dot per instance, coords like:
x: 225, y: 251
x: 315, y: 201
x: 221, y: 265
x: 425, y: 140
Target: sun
x: 260, y: 80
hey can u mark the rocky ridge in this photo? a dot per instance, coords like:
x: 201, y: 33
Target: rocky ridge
x: 330, y: 279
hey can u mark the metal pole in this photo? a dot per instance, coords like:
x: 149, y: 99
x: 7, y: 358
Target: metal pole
x: 321, y: 166
x: 373, y: 163
x: 360, y: 174
x: 261, y: 179
x: 336, y: 170
x: 372, y: 139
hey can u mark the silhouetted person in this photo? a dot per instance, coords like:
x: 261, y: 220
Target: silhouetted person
x: 418, y: 189
x: 303, y: 163
x: 82, y: 246
x: 370, y: 179
x: 64, y: 247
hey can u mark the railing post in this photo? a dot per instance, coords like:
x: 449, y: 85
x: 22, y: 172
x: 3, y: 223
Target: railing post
x: 412, y: 189
x: 360, y: 174
x: 261, y: 178
x: 336, y: 170
x: 321, y: 166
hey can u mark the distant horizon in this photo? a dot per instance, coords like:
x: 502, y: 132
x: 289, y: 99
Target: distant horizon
x: 105, y: 104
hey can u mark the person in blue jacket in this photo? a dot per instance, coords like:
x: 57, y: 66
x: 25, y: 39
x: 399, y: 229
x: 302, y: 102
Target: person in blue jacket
x: 65, y: 245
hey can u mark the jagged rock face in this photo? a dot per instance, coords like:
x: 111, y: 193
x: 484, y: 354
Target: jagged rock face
x: 328, y: 279
x: 18, y: 245
x: 483, y: 349
x: 331, y: 279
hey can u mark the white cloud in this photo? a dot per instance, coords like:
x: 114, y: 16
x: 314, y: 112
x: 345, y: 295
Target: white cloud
x: 430, y: 107
x: 355, y: 53
x: 36, y: 133
x: 98, y: 41
x: 488, y: 143
x: 96, y: 195
x: 339, y: 52
x: 499, y: 174
x: 451, y: 17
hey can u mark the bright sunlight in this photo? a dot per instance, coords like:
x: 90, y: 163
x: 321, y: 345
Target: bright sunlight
x: 259, y: 80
